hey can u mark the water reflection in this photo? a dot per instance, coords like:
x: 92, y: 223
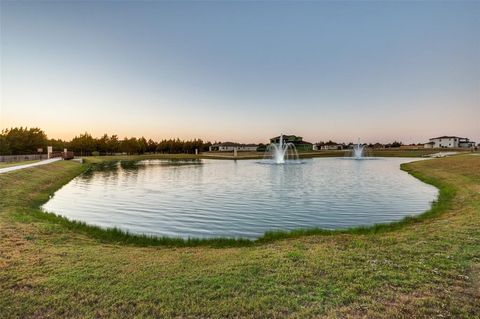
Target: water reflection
x: 211, y: 198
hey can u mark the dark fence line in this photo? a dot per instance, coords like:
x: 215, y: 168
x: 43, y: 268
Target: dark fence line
x: 19, y: 158
x: 67, y: 155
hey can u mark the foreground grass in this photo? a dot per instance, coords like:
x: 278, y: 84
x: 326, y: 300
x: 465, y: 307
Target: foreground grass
x: 423, y: 267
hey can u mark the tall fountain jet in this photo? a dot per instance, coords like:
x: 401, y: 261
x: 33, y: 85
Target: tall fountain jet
x: 358, y: 150
x: 282, y: 152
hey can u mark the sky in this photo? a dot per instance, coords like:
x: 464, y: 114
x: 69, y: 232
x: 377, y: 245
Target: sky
x: 242, y: 71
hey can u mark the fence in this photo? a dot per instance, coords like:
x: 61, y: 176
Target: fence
x: 19, y: 158
x: 65, y: 155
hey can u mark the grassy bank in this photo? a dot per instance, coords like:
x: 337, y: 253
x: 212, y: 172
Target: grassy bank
x: 424, y: 267
x: 117, y: 236
x: 259, y: 155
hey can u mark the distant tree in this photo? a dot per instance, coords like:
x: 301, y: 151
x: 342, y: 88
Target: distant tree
x: 84, y: 144
x: 113, y: 144
x: 19, y: 140
x: 129, y: 145
x: 102, y: 144
x: 4, y: 146
x: 142, y: 145
x: 261, y: 147
x: 205, y: 146
x: 396, y: 144
x: 151, y: 146
x: 57, y: 144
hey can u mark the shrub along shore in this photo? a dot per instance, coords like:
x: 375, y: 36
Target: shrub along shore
x: 423, y: 266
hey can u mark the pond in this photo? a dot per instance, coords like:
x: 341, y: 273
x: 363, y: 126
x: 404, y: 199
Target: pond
x: 241, y: 199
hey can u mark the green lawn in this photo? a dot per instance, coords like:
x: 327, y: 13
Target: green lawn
x: 411, y: 153
x: 421, y: 268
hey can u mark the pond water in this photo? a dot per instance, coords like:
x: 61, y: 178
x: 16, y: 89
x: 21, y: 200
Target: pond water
x: 245, y: 198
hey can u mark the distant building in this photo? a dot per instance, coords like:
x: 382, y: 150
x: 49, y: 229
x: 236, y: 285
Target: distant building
x: 449, y: 142
x: 298, y: 141
x: 429, y: 145
x: 466, y: 143
x: 231, y: 146
x: 329, y: 146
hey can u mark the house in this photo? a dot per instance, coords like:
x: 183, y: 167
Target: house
x: 298, y: 141
x: 329, y: 146
x: 231, y: 146
x: 429, y: 145
x: 466, y: 143
x: 449, y: 142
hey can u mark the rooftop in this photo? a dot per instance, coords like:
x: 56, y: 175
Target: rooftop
x: 329, y: 143
x: 286, y: 137
x: 445, y: 136
x: 233, y: 144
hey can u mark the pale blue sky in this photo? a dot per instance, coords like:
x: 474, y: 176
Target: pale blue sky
x: 243, y: 71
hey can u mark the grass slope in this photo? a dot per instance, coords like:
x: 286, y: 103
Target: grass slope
x: 424, y: 267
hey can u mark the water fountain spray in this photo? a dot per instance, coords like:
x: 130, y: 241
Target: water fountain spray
x: 358, y: 150
x: 282, y: 151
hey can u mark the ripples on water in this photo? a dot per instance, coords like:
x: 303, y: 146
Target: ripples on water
x: 212, y: 198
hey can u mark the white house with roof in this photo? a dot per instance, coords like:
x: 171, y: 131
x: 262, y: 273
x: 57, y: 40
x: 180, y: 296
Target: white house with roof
x: 449, y: 142
x: 330, y: 146
x: 230, y: 147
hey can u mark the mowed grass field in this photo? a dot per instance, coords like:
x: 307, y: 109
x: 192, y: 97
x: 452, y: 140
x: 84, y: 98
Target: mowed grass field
x: 423, y: 268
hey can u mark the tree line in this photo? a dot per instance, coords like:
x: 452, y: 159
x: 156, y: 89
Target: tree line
x: 394, y: 144
x: 20, y: 140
